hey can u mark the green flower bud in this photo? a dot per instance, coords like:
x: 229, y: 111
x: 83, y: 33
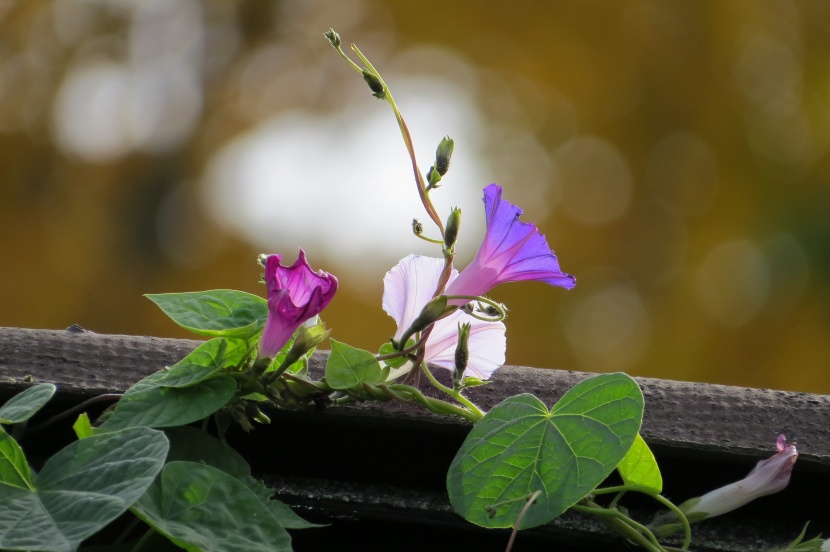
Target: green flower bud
x: 451, y: 233
x: 417, y: 227
x: 333, y: 37
x: 443, y: 155
x: 378, y: 91
x: 305, y: 340
x: 462, y: 353
x: 432, y: 311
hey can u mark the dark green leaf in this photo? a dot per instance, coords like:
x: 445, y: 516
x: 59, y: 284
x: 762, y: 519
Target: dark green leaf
x: 25, y: 404
x: 81, y: 489
x: 150, y: 405
x: 519, y: 447
x: 215, y: 313
x: 202, y: 508
x: 349, y: 367
x: 640, y: 468
x: 201, y: 364
x: 14, y: 469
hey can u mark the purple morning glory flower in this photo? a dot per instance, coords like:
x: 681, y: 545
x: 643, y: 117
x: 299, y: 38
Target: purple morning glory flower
x: 295, y: 294
x: 409, y: 286
x: 767, y: 477
x: 511, y: 251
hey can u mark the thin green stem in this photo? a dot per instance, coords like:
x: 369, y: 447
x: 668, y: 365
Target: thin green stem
x: 620, y: 523
x: 434, y: 405
x: 687, y: 529
x: 452, y: 393
x: 430, y: 240
x: 519, y: 519
x: 407, y: 139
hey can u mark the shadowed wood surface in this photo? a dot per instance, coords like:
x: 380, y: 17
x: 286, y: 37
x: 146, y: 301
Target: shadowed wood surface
x: 366, y: 463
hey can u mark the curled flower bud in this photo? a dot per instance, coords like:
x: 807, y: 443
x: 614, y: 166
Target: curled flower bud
x: 378, y: 90
x: 451, y: 232
x: 333, y: 37
x: 433, y: 178
x: 417, y: 227
x: 443, y: 155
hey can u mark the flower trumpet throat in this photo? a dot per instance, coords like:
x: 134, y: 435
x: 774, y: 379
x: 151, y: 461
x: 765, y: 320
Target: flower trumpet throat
x: 296, y: 293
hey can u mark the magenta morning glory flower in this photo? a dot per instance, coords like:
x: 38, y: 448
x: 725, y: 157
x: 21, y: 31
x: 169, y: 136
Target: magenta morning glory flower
x: 767, y: 477
x: 295, y: 294
x: 511, y: 251
x: 409, y: 286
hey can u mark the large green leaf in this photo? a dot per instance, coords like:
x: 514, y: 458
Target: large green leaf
x: 81, y: 489
x: 14, y: 469
x: 149, y: 404
x: 24, y: 405
x: 215, y: 313
x: 202, y: 508
x: 639, y: 467
x: 520, y: 447
x: 202, y: 363
x: 349, y: 367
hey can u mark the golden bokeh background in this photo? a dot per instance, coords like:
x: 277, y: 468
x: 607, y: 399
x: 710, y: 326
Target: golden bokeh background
x: 674, y: 153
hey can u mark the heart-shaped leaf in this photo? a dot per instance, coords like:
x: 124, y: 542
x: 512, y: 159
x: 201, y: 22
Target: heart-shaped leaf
x: 520, y: 447
x: 80, y: 489
x: 349, y: 367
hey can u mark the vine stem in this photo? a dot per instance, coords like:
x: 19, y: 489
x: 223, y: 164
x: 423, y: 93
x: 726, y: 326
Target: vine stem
x: 687, y: 529
x: 519, y: 519
x: 623, y: 524
x: 407, y: 139
x: 452, y: 393
x: 73, y: 410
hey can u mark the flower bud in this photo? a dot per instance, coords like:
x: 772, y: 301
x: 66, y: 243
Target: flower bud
x: 333, y: 37
x: 443, y: 155
x: 374, y: 83
x: 417, y: 227
x: 305, y: 340
x: 451, y: 232
x: 432, y: 311
x: 462, y: 352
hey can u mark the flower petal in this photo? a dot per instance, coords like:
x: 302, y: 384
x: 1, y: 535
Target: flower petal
x: 409, y: 286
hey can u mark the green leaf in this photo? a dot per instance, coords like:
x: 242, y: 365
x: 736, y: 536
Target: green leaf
x: 80, y: 490
x: 83, y: 427
x: 520, y: 447
x: 349, y: 367
x: 202, y: 508
x: 148, y: 404
x: 215, y: 313
x: 395, y: 362
x: 640, y: 468
x: 201, y: 364
x: 24, y: 405
x: 189, y: 444
x: 14, y: 469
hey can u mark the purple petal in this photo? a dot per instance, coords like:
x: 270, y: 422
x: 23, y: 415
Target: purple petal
x: 511, y: 251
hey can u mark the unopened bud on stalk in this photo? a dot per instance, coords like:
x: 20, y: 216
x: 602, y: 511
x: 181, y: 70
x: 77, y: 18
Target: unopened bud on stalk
x: 443, y: 155
x: 462, y: 352
x: 417, y: 227
x: 451, y: 232
x: 333, y: 37
x: 432, y: 311
x: 374, y: 83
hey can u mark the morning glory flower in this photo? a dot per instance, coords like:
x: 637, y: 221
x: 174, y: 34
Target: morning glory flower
x: 295, y: 294
x: 409, y: 286
x: 511, y: 251
x: 767, y: 477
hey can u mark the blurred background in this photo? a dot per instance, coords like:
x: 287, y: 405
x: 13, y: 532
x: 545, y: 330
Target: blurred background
x: 674, y: 153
